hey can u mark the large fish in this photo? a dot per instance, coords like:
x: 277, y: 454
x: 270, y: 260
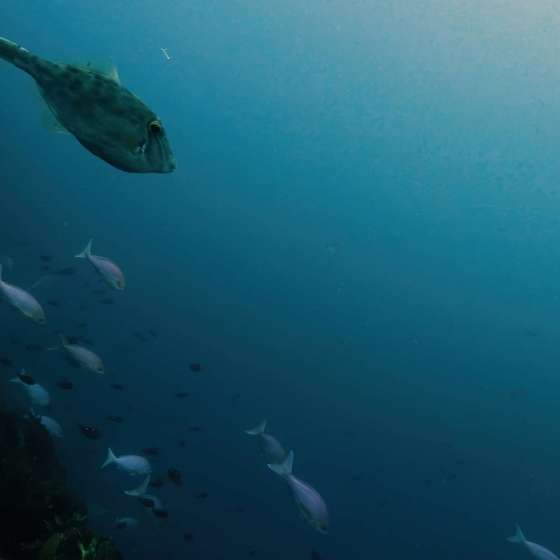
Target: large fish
x: 105, y: 117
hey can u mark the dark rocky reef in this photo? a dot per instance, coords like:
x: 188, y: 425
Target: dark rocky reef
x: 42, y: 519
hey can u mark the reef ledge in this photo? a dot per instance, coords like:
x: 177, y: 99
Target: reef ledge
x: 42, y: 518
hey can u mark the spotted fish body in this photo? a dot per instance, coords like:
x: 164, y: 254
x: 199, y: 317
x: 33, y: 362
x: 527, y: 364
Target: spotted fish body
x: 105, y: 117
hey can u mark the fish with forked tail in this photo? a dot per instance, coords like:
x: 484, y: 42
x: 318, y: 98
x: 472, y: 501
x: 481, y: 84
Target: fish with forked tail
x: 109, y: 271
x: 92, y: 105
x: 310, y: 503
x: 536, y: 550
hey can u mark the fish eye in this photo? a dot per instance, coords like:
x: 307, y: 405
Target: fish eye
x: 155, y: 127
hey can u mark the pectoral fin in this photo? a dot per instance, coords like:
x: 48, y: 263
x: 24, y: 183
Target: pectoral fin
x: 48, y: 117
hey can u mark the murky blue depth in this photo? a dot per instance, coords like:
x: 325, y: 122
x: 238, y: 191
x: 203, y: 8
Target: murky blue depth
x: 360, y: 244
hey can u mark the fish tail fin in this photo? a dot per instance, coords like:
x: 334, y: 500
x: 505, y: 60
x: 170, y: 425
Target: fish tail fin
x: 16, y: 380
x: 110, y: 458
x: 257, y: 430
x: 86, y: 253
x: 11, y: 52
x: 519, y: 537
x: 141, y: 490
x: 63, y: 339
x: 285, y: 467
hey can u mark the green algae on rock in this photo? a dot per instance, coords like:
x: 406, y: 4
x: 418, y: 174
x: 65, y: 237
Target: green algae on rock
x: 42, y: 519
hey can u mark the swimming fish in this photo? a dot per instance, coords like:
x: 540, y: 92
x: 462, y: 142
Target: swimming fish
x: 123, y: 523
x: 108, y: 270
x: 534, y: 549
x: 132, y: 464
x: 50, y: 424
x: 37, y: 393
x: 309, y: 501
x: 270, y: 447
x: 105, y: 117
x: 84, y: 357
x: 23, y: 301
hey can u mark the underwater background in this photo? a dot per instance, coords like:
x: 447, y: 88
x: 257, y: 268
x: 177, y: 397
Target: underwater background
x: 360, y: 243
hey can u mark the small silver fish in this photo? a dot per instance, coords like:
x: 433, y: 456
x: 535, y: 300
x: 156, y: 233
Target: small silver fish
x: 108, y: 270
x: 132, y: 464
x: 92, y: 105
x: 37, y: 394
x: 310, y: 503
x: 534, y: 549
x: 51, y: 425
x: 123, y: 523
x: 270, y: 447
x: 86, y: 358
x: 23, y: 301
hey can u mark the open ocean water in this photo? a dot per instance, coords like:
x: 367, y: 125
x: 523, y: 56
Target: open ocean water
x: 360, y: 243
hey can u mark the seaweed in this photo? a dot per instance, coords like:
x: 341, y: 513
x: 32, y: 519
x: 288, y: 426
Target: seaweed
x: 42, y: 518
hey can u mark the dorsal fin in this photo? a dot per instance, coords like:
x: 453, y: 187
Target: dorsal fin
x: 105, y: 68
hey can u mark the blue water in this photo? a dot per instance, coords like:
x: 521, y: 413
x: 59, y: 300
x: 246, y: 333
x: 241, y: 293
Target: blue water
x: 360, y: 243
